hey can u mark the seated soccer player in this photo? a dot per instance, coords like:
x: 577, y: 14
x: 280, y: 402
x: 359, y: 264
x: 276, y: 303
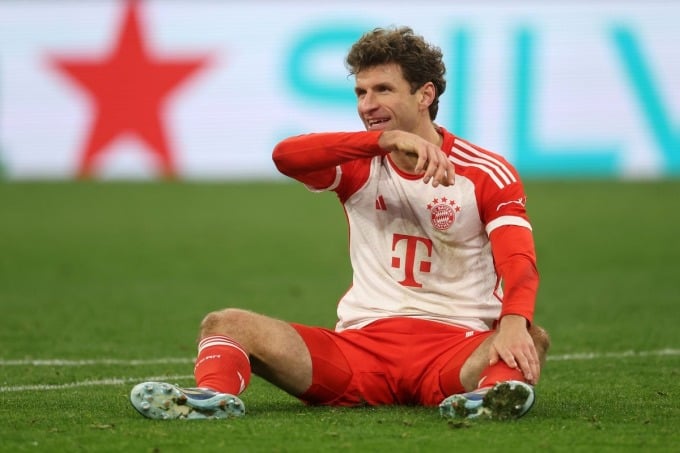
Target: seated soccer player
x: 440, y: 309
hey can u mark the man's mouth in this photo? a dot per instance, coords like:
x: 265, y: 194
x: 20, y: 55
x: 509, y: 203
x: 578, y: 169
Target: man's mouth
x: 376, y: 122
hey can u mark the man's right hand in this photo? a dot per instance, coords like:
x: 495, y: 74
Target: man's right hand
x: 429, y: 158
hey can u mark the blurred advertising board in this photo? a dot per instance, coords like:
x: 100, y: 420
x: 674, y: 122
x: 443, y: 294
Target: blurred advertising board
x: 204, y: 89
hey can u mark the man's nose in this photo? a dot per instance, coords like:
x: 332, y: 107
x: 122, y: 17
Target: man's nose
x: 367, y: 103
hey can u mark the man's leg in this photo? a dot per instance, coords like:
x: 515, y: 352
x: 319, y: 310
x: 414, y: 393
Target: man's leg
x: 277, y: 352
x: 230, y: 342
x: 495, y: 391
x: 472, y: 369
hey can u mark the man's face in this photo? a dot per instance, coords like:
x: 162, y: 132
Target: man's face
x: 385, y: 101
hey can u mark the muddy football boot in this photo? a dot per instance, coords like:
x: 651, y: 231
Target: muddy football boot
x: 162, y: 401
x: 504, y: 401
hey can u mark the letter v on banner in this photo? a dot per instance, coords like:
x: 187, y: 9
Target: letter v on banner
x: 380, y: 203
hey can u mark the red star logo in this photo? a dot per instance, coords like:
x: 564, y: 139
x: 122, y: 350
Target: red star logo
x: 129, y: 88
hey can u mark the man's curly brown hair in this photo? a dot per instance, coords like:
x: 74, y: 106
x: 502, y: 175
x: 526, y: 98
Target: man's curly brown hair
x: 420, y: 61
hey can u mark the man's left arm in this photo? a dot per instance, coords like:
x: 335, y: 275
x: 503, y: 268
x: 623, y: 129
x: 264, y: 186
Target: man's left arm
x: 515, y: 259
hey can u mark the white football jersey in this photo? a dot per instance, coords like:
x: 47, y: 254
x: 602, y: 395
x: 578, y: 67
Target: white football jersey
x: 421, y: 251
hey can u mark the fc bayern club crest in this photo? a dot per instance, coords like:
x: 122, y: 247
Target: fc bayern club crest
x: 443, y: 213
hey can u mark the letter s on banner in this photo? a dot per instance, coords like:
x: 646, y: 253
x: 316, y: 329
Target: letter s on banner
x: 305, y: 63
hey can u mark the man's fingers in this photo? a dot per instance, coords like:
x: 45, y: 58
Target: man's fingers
x: 529, y: 365
x: 421, y: 163
x: 450, y: 173
x: 526, y: 368
x: 493, y: 356
x: 445, y: 173
x: 534, y: 365
x: 438, y: 169
x: 509, y: 359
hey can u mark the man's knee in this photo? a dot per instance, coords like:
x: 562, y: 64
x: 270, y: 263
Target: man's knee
x: 541, y: 341
x: 224, y: 322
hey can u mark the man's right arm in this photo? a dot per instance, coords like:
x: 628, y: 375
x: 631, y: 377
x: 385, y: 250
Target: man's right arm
x: 312, y: 158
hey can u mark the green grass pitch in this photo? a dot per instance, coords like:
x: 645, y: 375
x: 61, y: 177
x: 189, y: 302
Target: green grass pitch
x: 103, y: 285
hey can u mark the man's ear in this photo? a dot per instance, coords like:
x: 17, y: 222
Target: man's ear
x: 427, y: 94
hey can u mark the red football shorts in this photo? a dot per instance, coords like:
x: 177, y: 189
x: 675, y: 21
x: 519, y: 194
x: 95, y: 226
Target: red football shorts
x: 391, y: 361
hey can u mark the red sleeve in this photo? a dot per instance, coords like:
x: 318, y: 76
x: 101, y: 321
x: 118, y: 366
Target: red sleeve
x: 515, y: 259
x: 312, y: 158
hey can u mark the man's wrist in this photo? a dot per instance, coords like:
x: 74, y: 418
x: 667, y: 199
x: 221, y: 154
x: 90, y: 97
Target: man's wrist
x: 511, y: 320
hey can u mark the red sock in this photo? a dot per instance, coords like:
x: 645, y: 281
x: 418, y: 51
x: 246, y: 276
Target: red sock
x: 222, y: 365
x: 499, y: 372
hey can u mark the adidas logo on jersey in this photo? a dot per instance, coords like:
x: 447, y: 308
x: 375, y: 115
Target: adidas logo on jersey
x: 380, y: 203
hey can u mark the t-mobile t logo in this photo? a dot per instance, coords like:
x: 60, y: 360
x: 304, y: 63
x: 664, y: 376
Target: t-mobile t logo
x: 409, y: 259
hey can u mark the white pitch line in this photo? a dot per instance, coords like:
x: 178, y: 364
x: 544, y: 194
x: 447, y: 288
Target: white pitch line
x: 128, y: 380
x: 87, y: 362
x: 614, y: 355
x: 91, y: 383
